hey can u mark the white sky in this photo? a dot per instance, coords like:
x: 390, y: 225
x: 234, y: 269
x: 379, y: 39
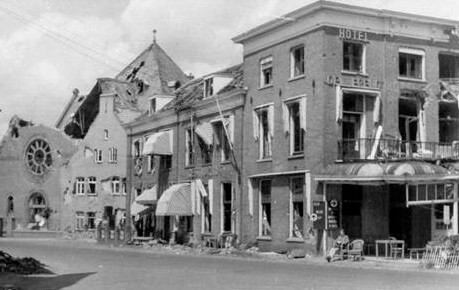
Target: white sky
x: 49, y: 47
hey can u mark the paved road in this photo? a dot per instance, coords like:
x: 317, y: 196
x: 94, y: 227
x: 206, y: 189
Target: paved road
x: 86, y: 266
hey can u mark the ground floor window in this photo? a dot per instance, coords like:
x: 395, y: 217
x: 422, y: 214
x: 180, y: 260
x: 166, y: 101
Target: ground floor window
x: 91, y: 220
x: 296, y: 207
x: 265, y: 208
x: 206, y: 215
x: 80, y: 218
x: 227, y: 198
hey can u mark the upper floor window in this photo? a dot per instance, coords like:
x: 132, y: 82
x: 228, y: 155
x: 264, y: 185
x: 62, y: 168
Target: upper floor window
x: 449, y: 66
x: 223, y: 144
x: 295, y: 124
x: 123, y: 186
x: 263, y: 125
x: 297, y: 61
x: 112, y: 155
x: 136, y: 150
x: 80, y: 185
x: 411, y: 63
x: 116, y: 186
x: 152, y: 108
x: 189, y: 147
x: 266, y: 71
x: 353, y: 56
x: 208, y: 87
x: 92, y: 181
x: 98, y: 155
x: 105, y: 134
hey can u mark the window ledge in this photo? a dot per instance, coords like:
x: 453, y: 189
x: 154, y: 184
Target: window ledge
x: 264, y: 238
x: 354, y: 73
x: 190, y: 166
x: 266, y: 87
x: 91, y: 194
x: 295, y: 240
x: 406, y: 79
x: 297, y: 156
x: 264, y: 160
x: 299, y: 77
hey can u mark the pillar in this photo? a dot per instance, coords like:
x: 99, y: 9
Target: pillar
x: 455, y: 210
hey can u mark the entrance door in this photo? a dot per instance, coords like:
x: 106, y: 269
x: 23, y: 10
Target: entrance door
x: 37, y: 204
x: 399, y: 214
x: 227, y: 198
x: 352, y: 211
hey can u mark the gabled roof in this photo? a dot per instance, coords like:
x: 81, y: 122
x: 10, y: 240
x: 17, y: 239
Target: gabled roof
x: 155, y: 69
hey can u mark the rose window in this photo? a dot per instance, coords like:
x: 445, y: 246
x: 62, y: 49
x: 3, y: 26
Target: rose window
x: 38, y: 157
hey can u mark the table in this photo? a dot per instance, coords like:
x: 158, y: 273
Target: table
x: 418, y: 252
x: 386, y: 244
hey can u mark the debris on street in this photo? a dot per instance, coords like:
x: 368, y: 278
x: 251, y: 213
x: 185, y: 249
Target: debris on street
x: 26, y: 266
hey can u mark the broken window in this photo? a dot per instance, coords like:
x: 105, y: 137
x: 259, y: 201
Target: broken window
x: 206, y: 150
x: 353, y: 56
x: 353, y: 111
x: 408, y: 123
x: 411, y: 63
x: 116, y: 185
x: 112, y: 155
x: 223, y: 145
x: 449, y: 66
x: 80, y: 221
x: 152, y: 106
x: 295, y: 128
x: 227, y: 198
x: 165, y: 162
x: 208, y: 87
x: 264, y: 127
x: 265, y: 208
x: 136, y: 150
x: 266, y: 71
x: 189, y: 150
x: 90, y: 220
x: 297, y: 61
x: 150, y: 163
x: 206, y: 213
x: 296, y: 207
x: 123, y: 189
x: 80, y: 185
x: 448, y: 122
x: 92, y: 182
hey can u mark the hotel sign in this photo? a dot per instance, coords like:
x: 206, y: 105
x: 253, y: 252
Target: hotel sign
x: 354, y: 81
x: 351, y: 34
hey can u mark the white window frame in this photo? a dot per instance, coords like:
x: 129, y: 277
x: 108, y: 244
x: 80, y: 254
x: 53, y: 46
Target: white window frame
x: 288, y: 122
x: 291, y: 208
x: 80, y: 186
x: 260, y: 209
x: 92, y: 180
x: 112, y: 155
x: 91, y: 215
x: 116, y: 185
x: 418, y: 52
x: 266, y: 62
x: 363, y: 68
x: 98, y: 156
x: 258, y: 127
x: 105, y: 134
x: 152, y: 110
x: 292, y: 61
x: 80, y: 220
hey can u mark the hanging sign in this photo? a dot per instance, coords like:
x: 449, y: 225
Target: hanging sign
x: 318, y: 215
x: 333, y: 215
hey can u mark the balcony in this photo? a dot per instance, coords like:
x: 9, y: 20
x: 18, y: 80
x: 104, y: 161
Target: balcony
x: 393, y: 149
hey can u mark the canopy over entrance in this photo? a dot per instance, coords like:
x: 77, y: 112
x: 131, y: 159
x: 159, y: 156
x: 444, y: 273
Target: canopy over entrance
x: 176, y: 200
x: 374, y: 173
x: 148, y: 196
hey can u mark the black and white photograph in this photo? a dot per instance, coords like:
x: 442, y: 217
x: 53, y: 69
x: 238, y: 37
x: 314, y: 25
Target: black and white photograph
x: 216, y: 144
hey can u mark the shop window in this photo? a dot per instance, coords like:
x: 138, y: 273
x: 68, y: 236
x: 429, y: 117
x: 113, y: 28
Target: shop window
x: 353, y: 56
x: 80, y: 221
x: 448, y: 122
x: 80, y: 185
x: 227, y: 199
x: 97, y: 155
x: 112, y: 155
x: 411, y: 63
x: 263, y: 126
x: 443, y: 212
x: 116, y: 186
x: 91, y: 220
x: 265, y: 208
x: 266, y: 71
x: 297, y: 61
x: 449, y: 66
x: 296, y: 207
x: 92, y: 182
x: 189, y: 149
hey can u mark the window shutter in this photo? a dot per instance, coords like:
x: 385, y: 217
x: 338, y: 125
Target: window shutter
x: 303, y: 113
x: 255, y: 124
x: 339, y: 104
x: 193, y: 197
x: 271, y: 120
x: 231, y: 128
x: 250, y: 195
x: 286, y: 118
x: 198, y: 201
x: 211, y: 195
x: 377, y: 109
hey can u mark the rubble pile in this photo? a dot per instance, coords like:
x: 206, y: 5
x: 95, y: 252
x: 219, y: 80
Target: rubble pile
x: 24, y: 266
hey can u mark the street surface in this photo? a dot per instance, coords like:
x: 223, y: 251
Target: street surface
x: 80, y: 265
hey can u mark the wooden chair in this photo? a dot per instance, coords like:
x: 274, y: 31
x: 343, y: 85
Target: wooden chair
x: 395, y: 248
x: 354, y: 249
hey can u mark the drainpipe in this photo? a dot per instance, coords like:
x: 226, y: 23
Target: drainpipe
x: 239, y: 172
x: 127, y: 231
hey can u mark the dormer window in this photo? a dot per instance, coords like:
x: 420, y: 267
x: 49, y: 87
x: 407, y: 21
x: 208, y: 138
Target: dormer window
x: 152, y: 109
x: 208, y: 87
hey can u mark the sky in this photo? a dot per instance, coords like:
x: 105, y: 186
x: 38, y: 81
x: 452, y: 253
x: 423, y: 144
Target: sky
x: 50, y: 47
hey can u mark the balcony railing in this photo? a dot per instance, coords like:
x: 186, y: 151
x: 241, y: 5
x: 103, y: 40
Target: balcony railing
x: 393, y: 149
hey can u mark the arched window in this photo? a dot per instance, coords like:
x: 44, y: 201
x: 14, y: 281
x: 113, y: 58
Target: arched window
x: 37, y: 204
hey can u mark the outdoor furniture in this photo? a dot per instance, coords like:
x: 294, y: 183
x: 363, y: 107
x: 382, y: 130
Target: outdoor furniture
x: 396, y: 247
x: 416, y: 252
x: 210, y: 241
x: 354, y: 249
x: 387, y: 244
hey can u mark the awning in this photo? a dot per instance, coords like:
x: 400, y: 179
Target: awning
x: 415, y: 172
x: 148, y: 196
x: 137, y: 208
x: 176, y: 200
x: 206, y: 132
x: 159, y: 144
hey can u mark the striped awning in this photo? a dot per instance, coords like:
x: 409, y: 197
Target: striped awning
x: 137, y: 208
x: 205, y: 130
x: 176, y: 200
x: 148, y: 196
x: 159, y: 144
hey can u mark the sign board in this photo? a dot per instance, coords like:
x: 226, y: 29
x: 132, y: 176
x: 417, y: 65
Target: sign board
x: 318, y: 215
x: 354, y: 82
x: 333, y: 214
